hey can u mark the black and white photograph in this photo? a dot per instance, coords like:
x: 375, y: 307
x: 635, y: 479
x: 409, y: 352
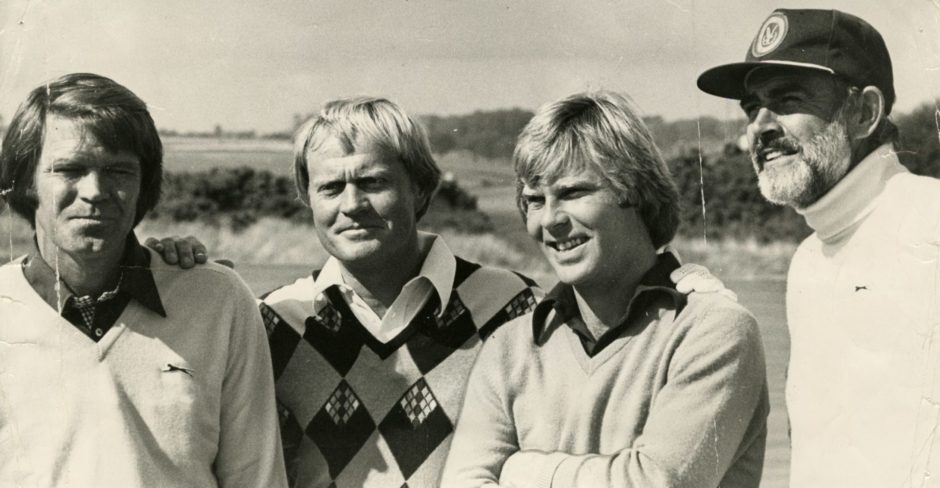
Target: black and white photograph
x: 441, y: 243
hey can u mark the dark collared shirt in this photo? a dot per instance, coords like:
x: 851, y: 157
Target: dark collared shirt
x: 135, y: 282
x: 654, y: 285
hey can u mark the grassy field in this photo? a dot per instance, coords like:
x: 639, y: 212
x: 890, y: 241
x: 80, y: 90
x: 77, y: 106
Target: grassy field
x: 187, y: 154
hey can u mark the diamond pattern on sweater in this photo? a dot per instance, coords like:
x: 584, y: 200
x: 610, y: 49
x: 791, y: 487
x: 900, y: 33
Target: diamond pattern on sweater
x: 358, y: 407
x: 339, y: 346
x: 340, y: 428
x: 329, y: 318
x: 282, y: 339
x: 521, y: 304
x: 432, y: 344
x: 418, y: 403
x: 342, y: 404
x: 453, y: 312
x: 415, y: 427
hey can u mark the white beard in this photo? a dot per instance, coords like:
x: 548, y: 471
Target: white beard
x: 825, y: 161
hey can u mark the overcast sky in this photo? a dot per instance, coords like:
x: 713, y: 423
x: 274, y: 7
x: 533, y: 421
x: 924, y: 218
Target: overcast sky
x: 252, y: 64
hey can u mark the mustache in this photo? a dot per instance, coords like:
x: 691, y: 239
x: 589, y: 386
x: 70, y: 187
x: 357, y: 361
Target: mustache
x: 779, y: 143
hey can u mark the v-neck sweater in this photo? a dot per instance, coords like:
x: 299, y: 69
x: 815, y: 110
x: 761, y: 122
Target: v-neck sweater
x: 674, y: 401
x: 181, y: 400
x: 366, y: 413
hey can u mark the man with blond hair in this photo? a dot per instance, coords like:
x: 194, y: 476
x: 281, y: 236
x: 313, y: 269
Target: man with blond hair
x: 371, y: 351
x: 616, y: 379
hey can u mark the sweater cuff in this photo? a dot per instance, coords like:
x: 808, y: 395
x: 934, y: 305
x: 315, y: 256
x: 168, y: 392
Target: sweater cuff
x: 531, y: 468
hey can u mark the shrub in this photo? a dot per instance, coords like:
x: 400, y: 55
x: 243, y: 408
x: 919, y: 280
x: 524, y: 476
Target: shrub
x: 239, y: 197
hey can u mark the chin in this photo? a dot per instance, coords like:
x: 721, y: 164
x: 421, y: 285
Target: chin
x: 84, y: 245
x: 352, y: 252
x: 573, y: 277
x: 785, y: 187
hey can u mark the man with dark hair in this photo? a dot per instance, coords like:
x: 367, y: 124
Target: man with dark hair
x: 115, y: 369
x: 616, y: 379
x: 862, y: 293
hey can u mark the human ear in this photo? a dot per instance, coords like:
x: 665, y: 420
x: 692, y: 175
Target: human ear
x: 869, y: 113
x: 422, y: 200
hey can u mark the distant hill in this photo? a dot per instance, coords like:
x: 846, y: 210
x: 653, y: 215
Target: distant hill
x: 690, y: 136
x: 492, y: 134
x: 489, y: 134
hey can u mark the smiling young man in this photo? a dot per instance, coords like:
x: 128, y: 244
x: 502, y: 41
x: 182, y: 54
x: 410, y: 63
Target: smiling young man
x: 111, y: 373
x: 862, y: 293
x: 616, y: 379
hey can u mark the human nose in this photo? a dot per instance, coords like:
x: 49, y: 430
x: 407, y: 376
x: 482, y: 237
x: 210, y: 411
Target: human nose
x: 553, y: 215
x: 764, y: 125
x: 91, y: 187
x: 353, y: 200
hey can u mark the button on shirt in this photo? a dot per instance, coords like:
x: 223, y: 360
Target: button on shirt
x: 436, y: 275
x: 94, y: 316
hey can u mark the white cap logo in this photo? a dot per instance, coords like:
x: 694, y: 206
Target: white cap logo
x: 770, y: 35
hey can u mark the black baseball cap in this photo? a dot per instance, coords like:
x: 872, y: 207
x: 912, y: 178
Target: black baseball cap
x: 822, y: 40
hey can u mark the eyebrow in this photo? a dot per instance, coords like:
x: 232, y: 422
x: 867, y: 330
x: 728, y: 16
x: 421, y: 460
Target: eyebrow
x: 576, y: 182
x: 359, y: 174
x: 114, y: 157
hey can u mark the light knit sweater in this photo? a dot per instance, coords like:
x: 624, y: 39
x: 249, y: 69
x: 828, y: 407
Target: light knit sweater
x: 863, y: 389
x: 181, y: 401
x: 675, y: 401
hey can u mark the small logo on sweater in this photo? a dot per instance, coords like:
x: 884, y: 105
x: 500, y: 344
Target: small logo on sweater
x: 859, y: 288
x: 171, y: 368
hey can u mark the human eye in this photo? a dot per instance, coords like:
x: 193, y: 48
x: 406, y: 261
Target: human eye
x: 122, y: 170
x: 373, y: 183
x: 331, y: 188
x: 750, y: 109
x: 789, y: 101
x: 67, y: 169
x: 575, y: 192
x: 533, y: 201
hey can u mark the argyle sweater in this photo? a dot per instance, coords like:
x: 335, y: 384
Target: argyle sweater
x: 365, y: 413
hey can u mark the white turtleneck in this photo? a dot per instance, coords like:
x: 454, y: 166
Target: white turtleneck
x: 863, y: 388
x: 854, y: 197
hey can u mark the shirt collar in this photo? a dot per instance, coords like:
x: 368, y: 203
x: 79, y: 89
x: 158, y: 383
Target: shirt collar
x: 439, y: 268
x: 137, y: 281
x: 854, y: 196
x: 562, y: 301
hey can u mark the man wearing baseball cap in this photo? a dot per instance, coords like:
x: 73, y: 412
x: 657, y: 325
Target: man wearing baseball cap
x: 862, y: 293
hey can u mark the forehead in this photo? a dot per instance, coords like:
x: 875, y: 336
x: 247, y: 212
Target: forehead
x: 62, y: 134
x: 68, y: 139
x: 330, y: 161
x: 566, y: 178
